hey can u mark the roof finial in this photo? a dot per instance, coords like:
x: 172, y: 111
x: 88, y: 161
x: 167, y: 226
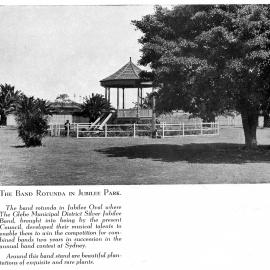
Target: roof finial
x: 129, y: 59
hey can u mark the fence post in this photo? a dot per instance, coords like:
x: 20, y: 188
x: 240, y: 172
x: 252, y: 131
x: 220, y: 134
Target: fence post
x: 105, y: 132
x: 68, y: 130
x: 183, y: 127
x: 163, y: 129
x: 77, y: 128
x: 201, y: 128
x: 134, y: 130
x: 217, y: 128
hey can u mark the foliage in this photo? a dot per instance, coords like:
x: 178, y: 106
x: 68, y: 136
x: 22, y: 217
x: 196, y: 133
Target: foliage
x: 63, y: 98
x: 8, y: 99
x: 94, y: 106
x: 32, y: 119
x: 146, y: 102
x: 210, y: 59
x: 61, y: 101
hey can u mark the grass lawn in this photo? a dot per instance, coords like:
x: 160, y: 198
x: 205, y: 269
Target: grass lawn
x: 188, y: 160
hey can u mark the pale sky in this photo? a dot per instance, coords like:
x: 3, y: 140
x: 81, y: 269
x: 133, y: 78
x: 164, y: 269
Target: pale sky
x: 49, y: 50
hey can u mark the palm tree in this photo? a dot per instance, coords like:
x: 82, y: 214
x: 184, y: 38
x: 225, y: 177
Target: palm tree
x: 8, y: 99
x: 93, y: 107
x: 32, y: 119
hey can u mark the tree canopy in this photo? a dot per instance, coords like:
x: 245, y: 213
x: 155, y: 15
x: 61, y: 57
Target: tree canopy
x: 63, y: 98
x: 210, y: 59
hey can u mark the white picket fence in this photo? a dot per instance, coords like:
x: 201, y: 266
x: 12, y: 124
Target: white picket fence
x: 230, y: 121
x: 163, y: 130
x: 59, y: 129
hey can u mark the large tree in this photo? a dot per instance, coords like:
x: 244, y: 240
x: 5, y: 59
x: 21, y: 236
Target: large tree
x: 8, y: 99
x: 210, y: 59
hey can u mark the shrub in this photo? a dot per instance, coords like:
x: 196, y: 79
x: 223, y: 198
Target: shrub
x: 32, y: 119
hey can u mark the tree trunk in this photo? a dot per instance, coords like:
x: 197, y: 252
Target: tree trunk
x: 3, y: 119
x: 250, y: 123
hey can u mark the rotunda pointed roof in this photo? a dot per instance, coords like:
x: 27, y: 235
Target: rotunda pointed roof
x: 127, y: 76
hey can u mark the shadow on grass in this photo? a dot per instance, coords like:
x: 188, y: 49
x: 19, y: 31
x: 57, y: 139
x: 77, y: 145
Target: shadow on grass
x: 193, y: 153
x: 19, y: 146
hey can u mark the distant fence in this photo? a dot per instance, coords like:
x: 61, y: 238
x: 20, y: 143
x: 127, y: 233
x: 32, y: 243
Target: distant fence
x: 230, y: 121
x: 224, y: 120
x: 163, y: 130
x: 59, y: 130
x: 236, y: 121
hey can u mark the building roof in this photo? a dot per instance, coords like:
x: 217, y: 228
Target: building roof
x: 128, y: 72
x: 127, y: 77
x: 65, y: 107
